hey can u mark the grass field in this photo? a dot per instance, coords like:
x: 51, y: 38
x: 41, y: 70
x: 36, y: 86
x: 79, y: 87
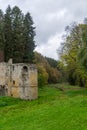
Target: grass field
x: 53, y: 110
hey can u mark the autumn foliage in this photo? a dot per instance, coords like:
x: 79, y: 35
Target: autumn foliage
x: 46, y: 72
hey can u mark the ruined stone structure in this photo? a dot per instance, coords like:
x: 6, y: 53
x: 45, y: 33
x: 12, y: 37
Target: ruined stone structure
x: 18, y: 80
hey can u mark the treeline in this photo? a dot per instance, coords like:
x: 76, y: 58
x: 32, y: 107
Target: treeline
x: 73, y: 54
x: 47, y: 70
x: 17, y: 35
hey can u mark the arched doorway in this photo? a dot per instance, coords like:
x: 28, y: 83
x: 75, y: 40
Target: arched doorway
x: 25, y: 81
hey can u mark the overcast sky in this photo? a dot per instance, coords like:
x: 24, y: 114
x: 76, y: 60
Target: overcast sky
x: 50, y: 18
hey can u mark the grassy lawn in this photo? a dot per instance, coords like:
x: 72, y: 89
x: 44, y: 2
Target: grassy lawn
x: 53, y: 110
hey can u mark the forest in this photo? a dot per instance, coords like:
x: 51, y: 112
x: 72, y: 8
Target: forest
x: 73, y: 54
x: 17, y: 35
x: 17, y: 41
x: 72, y: 64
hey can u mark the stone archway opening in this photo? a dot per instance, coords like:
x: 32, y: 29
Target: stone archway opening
x: 25, y: 69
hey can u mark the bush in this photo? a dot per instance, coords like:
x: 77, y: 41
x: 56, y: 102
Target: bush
x: 42, y: 76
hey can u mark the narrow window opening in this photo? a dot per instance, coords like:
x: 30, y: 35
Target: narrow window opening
x: 25, y: 69
x: 13, y: 82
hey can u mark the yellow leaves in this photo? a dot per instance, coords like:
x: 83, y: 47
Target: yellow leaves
x: 42, y: 75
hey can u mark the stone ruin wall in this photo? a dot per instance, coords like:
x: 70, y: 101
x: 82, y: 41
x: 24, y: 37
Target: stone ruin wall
x: 18, y: 80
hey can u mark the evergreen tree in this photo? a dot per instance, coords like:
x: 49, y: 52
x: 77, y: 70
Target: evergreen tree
x: 8, y: 48
x: 17, y: 29
x: 29, y: 42
x: 53, y: 63
x: 1, y: 30
x: 17, y: 35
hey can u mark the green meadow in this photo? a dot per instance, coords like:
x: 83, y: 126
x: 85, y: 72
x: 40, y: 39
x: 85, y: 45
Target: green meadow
x: 55, y: 109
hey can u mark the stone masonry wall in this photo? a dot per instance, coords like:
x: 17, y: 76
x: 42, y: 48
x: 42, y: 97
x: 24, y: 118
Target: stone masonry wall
x: 18, y: 80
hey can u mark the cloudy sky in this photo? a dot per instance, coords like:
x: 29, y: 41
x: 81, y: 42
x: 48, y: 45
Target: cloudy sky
x: 50, y: 18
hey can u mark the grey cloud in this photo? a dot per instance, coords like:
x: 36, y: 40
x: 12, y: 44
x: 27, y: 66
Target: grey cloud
x: 48, y: 15
x: 42, y: 10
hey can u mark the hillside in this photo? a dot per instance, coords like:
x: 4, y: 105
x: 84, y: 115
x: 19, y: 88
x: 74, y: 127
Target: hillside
x: 47, y: 70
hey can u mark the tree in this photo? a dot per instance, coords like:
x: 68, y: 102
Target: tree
x: 42, y: 76
x: 8, y: 47
x: 54, y: 75
x: 18, y: 38
x: 17, y: 35
x: 70, y: 51
x: 1, y: 30
x: 53, y: 63
x: 82, y: 56
x: 29, y: 35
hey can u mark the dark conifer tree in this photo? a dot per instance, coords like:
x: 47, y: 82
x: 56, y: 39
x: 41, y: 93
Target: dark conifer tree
x: 1, y: 30
x: 18, y: 40
x: 29, y: 34
x: 8, y: 48
x: 17, y: 35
